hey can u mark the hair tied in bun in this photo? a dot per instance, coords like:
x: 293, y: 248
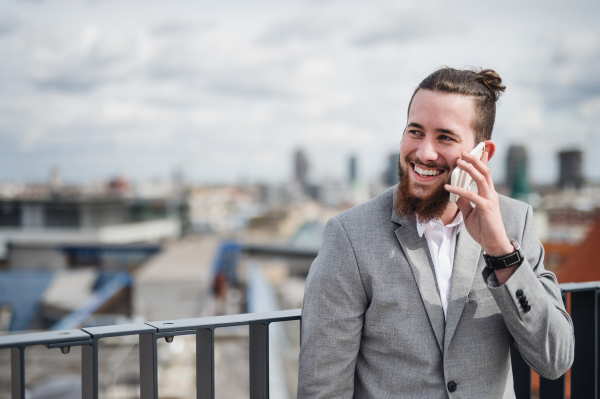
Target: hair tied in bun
x: 492, y: 81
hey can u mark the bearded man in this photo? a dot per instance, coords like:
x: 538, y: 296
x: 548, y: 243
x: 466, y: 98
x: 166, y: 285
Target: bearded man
x: 412, y: 296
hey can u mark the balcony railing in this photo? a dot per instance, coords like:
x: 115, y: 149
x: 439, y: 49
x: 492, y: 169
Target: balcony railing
x: 583, y: 301
x: 149, y: 333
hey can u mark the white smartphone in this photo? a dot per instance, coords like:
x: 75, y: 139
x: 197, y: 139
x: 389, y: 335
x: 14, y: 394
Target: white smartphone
x: 461, y: 178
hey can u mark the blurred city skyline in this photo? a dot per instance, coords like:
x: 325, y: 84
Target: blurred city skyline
x: 227, y: 91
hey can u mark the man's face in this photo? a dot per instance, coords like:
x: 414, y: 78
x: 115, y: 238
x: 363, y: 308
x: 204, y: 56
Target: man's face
x: 438, y: 131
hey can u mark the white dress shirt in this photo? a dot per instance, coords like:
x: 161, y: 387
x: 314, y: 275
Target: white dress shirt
x: 441, y: 241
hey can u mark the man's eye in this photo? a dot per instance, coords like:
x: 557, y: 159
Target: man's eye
x: 446, y: 138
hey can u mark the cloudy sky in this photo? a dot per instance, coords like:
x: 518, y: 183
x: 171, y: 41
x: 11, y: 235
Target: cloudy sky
x: 226, y: 90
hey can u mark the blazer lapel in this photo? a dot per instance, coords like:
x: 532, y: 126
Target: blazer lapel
x: 417, y: 252
x: 466, y: 259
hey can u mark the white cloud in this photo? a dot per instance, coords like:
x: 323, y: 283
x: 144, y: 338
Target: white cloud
x: 231, y: 88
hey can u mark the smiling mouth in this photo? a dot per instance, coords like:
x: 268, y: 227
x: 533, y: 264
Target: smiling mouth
x: 426, y: 173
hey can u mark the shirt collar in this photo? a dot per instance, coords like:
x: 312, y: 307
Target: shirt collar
x: 421, y: 227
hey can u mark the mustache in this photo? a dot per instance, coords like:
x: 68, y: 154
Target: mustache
x: 435, y: 165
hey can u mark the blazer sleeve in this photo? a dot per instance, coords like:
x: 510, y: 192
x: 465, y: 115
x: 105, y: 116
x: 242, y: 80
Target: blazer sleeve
x: 332, y: 319
x: 544, y: 334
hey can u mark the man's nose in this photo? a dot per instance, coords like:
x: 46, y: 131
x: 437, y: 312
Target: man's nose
x: 426, y: 152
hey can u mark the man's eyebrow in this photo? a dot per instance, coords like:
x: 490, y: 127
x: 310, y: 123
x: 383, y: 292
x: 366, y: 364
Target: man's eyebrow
x: 440, y: 130
x: 447, y: 131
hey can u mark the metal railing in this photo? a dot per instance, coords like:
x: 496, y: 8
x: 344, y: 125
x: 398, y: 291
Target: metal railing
x: 149, y: 333
x: 584, y: 304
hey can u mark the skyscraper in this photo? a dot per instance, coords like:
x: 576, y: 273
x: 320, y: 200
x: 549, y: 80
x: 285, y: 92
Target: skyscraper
x: 516, y: 171
x: 301, y: 169
x: 352, y: 169
x: 570, y: 169
x: 390, y: 176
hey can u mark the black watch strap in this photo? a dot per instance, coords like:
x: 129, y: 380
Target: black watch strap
x: 502, y: 262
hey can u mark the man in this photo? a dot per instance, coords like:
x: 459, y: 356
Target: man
x: 412, y: 296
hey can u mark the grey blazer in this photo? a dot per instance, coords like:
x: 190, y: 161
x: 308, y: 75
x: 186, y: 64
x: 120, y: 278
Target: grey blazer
x: 372, y: 319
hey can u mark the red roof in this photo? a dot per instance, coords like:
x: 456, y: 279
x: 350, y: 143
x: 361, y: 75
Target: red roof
x: 583, y: 264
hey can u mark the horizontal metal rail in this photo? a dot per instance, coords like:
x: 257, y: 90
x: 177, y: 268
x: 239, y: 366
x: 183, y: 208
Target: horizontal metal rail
x: 585, y: 311
x: 281, y: 250
x: 149, y: 333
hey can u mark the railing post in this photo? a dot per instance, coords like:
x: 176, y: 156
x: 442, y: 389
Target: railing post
x: 17, y: 372
x: 554, y: 389
x: 584, y: 312
x: 259, y: 361
x: 89, y: 371
x: 521, y: 374
x: 205, y: 363
x: 597, y: 333
x: 148, y: 367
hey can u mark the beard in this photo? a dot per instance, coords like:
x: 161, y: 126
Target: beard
x: 426, y: 208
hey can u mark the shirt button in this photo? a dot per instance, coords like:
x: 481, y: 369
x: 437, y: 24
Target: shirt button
x: 519, y: 293
x: 452, y: 386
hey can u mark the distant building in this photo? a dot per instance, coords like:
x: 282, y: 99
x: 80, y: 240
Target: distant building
x: 352, y: 169
x: 225, y: 209
x: 390, y: 176
x: 88, y: 220
x: 570, y: 169
x: 582, y: 264
x: 55, y: 178
x: 516, y: 171
x: 301, y: 169
x: 571, y: 216
x: 314, y: 191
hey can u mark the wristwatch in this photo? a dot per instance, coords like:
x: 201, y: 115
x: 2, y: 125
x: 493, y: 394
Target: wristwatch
x: 502, y: 262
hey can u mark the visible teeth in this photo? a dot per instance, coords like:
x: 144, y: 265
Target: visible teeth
x: 424, y: 172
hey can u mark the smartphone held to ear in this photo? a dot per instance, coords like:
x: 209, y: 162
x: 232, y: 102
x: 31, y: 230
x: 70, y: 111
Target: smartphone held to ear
x: 460, y: 178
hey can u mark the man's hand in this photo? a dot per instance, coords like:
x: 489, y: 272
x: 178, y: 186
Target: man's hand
x: 483, y: 222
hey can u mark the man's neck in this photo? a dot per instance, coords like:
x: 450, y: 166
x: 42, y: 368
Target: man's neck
x: 449, y: 214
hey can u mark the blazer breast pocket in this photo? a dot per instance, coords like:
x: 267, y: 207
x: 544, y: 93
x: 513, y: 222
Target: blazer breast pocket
x: 480, y: 295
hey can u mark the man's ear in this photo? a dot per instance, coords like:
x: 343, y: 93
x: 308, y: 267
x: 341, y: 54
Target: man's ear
x: 490, y: 148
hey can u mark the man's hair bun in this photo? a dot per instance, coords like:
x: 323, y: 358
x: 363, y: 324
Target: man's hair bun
x: 492, y: 81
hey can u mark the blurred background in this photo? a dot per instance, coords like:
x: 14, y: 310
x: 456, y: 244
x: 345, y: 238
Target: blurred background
x: 164, y: 160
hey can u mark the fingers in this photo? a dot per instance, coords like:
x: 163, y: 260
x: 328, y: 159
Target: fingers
x: 480, y: 180
x: 467, y: 195
x: 488, y: 176
x: 481, y: 166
